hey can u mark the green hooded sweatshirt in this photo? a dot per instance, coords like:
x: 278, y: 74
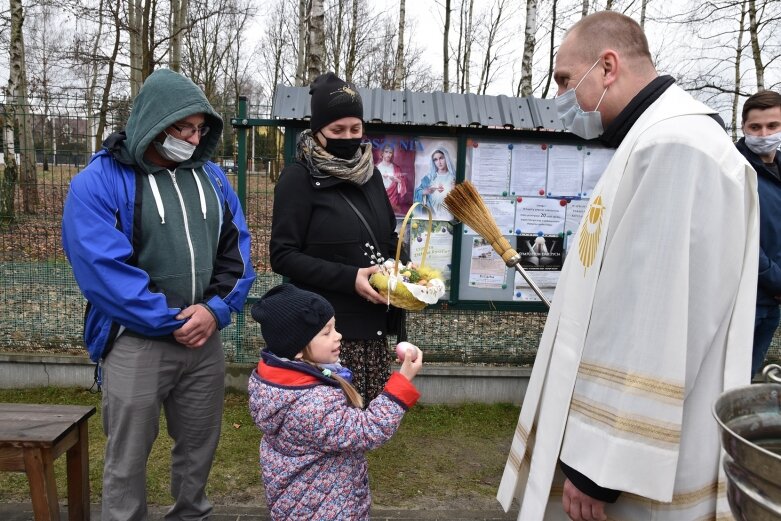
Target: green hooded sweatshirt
x: 181, y: 216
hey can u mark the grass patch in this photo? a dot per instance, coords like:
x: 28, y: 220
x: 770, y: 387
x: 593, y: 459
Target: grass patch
x: 441, y: 455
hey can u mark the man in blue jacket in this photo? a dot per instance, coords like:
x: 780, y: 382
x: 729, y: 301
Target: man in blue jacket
x: 762, y: 136
x: 160, y: 249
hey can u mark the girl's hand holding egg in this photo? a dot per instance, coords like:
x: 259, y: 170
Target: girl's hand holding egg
x: 401, y: 351
x: 410, y: 364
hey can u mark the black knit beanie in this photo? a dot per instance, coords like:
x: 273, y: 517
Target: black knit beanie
x: 290, y: 318
x: 332, y: 99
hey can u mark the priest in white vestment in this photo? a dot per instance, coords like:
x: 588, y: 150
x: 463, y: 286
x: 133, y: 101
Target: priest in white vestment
x: 653, y: 315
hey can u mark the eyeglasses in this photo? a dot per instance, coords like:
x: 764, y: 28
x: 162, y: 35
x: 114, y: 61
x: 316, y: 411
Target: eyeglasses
x: 188, y: 131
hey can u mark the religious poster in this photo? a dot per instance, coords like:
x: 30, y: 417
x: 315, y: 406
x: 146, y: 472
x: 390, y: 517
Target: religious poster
x: 490, y: 167
x: 487, y: 269
x: 545, y: 280
x: 440, y: 247
x: 529, y: 167
x: 539, y: 215
x: 394, y: 157
x: 540, y: 252
x: 435, y: 175
x: 565, y: 170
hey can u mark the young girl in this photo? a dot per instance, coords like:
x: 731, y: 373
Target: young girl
x: 315, y: 429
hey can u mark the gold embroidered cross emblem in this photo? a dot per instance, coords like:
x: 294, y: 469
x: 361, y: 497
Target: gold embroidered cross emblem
x: 590, y: 232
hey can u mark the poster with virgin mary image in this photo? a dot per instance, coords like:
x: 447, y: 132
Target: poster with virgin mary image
x: 394, y: 157
x: 435, y: 176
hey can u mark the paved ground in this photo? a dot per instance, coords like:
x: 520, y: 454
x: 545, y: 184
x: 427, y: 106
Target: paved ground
x: 23, y: 512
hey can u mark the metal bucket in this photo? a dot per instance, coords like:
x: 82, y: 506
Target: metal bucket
x: 750, y: 422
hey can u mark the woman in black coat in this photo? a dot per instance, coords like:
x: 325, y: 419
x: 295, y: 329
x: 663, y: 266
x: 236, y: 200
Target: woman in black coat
x: 318, y: 239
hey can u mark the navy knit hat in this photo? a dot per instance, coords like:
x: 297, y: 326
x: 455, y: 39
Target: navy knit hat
x: 290, y: 318
x: 332, y: 99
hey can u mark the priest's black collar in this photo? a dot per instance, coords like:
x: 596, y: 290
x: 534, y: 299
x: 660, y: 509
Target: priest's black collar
x: 618, y: 129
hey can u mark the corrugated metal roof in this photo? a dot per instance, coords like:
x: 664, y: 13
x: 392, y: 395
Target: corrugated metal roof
x: 431, y: 108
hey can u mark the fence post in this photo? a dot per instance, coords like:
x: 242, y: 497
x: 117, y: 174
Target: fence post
x: 242, y: 152
x: 241, y: 119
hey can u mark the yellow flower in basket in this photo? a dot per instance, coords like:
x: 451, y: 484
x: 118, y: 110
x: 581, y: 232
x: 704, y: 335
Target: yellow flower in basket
x: 406, y: 286
x: 412, y: 288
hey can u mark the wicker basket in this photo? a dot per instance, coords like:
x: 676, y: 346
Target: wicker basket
x: 408, y: 295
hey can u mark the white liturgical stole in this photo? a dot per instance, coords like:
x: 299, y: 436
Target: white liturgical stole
x: 588, y: 389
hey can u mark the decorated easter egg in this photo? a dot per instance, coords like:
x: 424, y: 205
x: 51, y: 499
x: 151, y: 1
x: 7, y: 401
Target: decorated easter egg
x: 401, y: 350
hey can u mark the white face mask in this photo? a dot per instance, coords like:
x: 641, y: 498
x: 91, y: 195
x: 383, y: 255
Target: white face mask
x: 763, y: 145
x: 587, y: 125
x: 176, y: 150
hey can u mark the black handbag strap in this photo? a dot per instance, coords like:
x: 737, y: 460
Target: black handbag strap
x: 397, y: 317
x: 363, y: 220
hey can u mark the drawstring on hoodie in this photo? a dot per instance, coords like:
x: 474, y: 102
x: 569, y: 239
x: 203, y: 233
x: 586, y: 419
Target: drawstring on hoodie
x: 158, y: 199
x: 200, y: 193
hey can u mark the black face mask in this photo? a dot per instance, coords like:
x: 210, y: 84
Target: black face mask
x: 342, y: 148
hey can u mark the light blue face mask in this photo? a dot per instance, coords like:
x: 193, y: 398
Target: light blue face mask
x: 763, y: 145
x: 587, y: 125
x: 174, y: 149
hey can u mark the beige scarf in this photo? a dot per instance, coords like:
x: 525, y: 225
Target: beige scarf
x: 357, y: 170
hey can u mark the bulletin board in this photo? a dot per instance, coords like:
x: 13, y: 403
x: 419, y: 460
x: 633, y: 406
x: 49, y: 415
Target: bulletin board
x: 537, y: 191
x: 536, y: 184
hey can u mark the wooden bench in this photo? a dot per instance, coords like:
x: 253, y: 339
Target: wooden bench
x: 32, y: 437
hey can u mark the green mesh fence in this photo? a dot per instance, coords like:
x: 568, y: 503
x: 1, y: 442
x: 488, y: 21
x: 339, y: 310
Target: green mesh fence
x: 41, y: 308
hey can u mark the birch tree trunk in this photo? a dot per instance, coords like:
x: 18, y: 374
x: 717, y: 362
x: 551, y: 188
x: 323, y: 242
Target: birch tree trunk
x: 178, y: 24
x: 445, y: 48
x: 147, y: 38
x: 529, y: 42
x: 142, y: 35
x: 303, y: 25
x: 643, y: 5
x: 11, y: 170
x: 738, y: 56
x: 352, y: 45
x: 339, y: 37
x: 754, y: 34
x: 465, y: 84
x: 17, y: 81
x: 609, y: 5
x: 554, y: 12
x: 398, y: 72
x: 584, y: 10
x: 316, y: 41
x: 459, y: 48
x: 135, y: 18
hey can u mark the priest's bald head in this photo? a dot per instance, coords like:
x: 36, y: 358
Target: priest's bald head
x: 605, y: 55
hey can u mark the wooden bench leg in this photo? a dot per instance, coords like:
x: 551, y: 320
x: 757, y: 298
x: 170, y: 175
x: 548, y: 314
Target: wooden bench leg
x: 39, y: 466
x: 78, y: 477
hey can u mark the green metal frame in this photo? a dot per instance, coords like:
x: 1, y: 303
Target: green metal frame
x: 462, y: 134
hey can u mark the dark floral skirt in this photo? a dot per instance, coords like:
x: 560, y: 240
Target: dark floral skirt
x: 370, y: 362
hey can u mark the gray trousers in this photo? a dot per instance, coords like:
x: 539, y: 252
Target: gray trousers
x: 139, y: 376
